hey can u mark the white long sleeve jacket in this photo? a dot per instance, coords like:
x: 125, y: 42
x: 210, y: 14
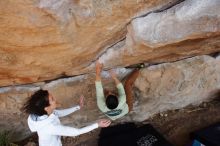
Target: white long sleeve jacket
x: 49, y: 128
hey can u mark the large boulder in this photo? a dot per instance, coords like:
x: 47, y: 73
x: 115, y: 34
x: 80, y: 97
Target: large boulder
x: 53, y: 44
x: 48, y: 39
x: 158, y: 88
x: 187, y: 29
x: 175, y: 85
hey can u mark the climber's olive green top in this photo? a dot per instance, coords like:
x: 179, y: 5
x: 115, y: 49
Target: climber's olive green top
x: 122, y: 108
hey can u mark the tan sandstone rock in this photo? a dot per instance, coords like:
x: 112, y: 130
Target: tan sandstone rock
x: 175, y: 85
x: 53, y: 44
x: 158, y: 88
x: 47, y: 39
x: 187, y: 29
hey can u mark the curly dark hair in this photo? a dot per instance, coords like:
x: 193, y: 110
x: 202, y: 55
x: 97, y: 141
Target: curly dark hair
x: 36, y: 103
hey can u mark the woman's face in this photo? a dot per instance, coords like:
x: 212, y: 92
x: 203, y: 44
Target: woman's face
x: 52, y: 101
x: 52, y: 106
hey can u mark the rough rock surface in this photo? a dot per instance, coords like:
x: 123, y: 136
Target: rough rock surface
x: 176, y: 85
x: 47, y: 39
x: 158, y: 88
x: 187, y: 29
x: 43, y: 40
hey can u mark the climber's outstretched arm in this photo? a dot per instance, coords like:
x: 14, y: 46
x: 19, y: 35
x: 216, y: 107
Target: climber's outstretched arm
x: 99, y: 89
x: 98, y: 67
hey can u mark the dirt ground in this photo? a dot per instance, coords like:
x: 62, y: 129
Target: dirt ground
x: 175, y: 125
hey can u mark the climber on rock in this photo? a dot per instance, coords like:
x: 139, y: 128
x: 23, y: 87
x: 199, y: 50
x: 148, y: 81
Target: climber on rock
x: 115, y: 105
x: 44, y: 119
